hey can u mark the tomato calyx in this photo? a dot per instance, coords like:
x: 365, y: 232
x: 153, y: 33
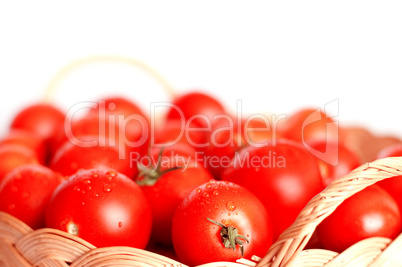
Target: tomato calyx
x: 150, y: 175
x: 230, y: 237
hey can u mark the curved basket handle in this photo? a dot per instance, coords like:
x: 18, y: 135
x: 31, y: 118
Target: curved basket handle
x: 292, y: 241
x: 106, y: 58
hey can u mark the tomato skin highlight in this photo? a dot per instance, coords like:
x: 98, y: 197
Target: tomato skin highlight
x: 40, y: 118
x: 26, y: 191
x: 371, y: 212
x: 195, y: 104
x: 284, y: 176
x: 196, y: 240
x: 104, y: 207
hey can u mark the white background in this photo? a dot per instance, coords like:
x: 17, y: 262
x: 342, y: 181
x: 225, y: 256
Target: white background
x: 276, y: 56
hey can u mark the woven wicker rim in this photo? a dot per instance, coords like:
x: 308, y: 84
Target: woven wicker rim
x: 21, y: 246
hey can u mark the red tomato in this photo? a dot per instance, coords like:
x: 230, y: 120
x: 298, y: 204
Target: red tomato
x: 309, y: 124
x: 12, y: 156
x: 165, y: 186
x: 334, y: 160
x: 284, y: 177
x: 72, y: 157
x: 104, y: 207
x: 225, y: 139
x: 29, y: 140
x: 126, y: 137
x: 228, y: 136
x: 370, y: 213
x: 176, y: 131
x: 26, y: 191
x: 197, y: 107
x: 116, y: 105
x: 41, y: 118
x: 392, y: 185
x: 215, y: 213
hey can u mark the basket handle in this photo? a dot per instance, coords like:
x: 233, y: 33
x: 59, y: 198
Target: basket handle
x: 51, y: 88
x: 293, y: 240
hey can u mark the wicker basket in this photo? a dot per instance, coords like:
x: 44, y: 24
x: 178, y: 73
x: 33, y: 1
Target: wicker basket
x: 21, y: 246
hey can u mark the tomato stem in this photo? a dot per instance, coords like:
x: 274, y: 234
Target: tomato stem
x: 150, y: 175
x: 230, y: 236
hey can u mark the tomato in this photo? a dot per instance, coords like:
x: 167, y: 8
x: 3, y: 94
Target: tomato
x: 12, y: 156
x: 72, y: 157
x: 371, y: 212
x: 176, y: 131
x: 171, y: 177
x: 227, y: 136
x: 310, y: 124
x: 195, y: 106
x: 26, y: 191
x: 41, y: 118
x: 129, y: 136
x: 224, y: 140
x: 103, y: 207
x: 392, y: 185
x: 335, y: 160
x: 212, y: 215
x: 29, y: 140
x: 116, y: 105
x: 284, y: 176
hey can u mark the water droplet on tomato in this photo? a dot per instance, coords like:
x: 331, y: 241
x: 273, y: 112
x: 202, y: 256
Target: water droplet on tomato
x: 77, y: 188
x: 95, y: 194
x: 14, y: 189
x: 231, y: 206
x: 107, y: 188
x: 216, y: 207
x: 120, y: 224
x: 198, y: 190
x: 111, y: 173
x: 86, y: 181
x: 205, y: 194
x: 25, y: 195
x: 215, y: 193
x: 72, y: 229
x: 212, y: 181
x: 208, y: 186
x: 223, y: 221
x: 94, y: 175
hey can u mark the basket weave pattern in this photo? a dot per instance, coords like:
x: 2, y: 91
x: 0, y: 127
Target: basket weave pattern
x: 22, y: 246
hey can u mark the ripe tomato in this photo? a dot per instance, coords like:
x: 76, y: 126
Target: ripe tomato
x: 334, y: 159
x: 309, y: 124
x: 212, y: 215
x: 228, y: 135
x: 392, y: 185
x: 130, y: 136
x: 284, y: 177
x: 72, y: 157
x: 371, y: 212
x: 29, y: 140
x: 176, y: 131
x: 12, y: 156
x: 26, y: 191
x: 41, y: 118
x: 117, y: 105
x: 166, y: 182
x: 197, y: 107
x: 104, y: 207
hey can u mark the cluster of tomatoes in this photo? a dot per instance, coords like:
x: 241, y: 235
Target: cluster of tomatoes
x: 208, y: 184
